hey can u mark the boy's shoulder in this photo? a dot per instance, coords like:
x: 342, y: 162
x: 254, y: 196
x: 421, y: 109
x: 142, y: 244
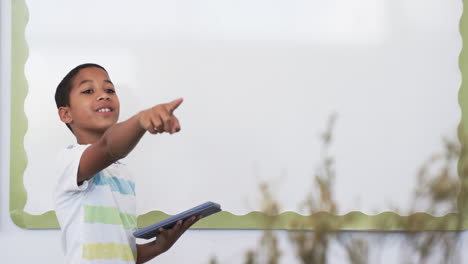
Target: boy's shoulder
x: 71, y: 151
x: 74, y: 151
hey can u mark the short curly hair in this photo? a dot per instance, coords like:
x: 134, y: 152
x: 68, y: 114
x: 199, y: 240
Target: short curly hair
x: 62, y: 93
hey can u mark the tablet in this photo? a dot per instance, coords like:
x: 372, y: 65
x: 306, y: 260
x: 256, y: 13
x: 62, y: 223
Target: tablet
x: 202, y: 210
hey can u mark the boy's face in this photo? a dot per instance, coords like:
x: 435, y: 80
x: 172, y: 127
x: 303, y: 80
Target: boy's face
x: 94, y: 105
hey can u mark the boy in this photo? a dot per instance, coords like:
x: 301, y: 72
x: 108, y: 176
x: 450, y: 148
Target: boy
x: 95, y: 196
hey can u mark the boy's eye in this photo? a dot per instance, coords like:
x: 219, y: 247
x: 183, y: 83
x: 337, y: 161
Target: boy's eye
x: 88, y: 91
x: 110, y: 91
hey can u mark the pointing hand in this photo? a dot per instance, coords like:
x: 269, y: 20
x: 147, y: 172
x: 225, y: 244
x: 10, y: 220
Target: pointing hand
x: 160, y: 118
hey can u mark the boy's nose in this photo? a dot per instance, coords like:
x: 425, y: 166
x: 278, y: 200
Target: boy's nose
x: 103, y: 97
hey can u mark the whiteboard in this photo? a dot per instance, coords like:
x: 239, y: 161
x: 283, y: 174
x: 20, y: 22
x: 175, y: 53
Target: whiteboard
x: 260, y: 80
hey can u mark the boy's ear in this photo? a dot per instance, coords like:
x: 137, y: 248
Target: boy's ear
x: 65, y: 115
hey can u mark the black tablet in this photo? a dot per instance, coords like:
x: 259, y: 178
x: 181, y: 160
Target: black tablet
x: 202, y: 210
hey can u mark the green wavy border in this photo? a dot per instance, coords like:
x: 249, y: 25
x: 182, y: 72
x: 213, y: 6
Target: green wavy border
x: 462, y: 131
x: 386, y: 221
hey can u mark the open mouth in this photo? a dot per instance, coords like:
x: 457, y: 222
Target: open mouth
x: 104, y: 110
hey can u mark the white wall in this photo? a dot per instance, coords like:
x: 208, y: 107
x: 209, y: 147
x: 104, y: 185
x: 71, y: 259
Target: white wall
x: 43, y: 246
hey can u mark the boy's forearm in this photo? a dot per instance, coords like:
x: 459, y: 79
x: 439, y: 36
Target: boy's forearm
x: 146, y: 252
x: 122, y: 137
x: 165, y: 240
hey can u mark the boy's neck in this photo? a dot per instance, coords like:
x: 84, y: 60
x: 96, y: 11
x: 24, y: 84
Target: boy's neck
x: 87, y: 137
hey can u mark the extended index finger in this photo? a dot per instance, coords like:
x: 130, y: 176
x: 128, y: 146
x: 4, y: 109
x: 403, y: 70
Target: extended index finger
x: 171, y: 106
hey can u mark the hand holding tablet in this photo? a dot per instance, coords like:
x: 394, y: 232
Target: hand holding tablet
x: 202, y: 210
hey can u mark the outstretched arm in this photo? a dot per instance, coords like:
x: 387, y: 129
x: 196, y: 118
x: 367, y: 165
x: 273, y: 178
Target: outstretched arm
x: 122, y: 137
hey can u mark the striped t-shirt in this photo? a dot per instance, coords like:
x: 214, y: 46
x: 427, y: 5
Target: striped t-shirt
x: 98, y: 217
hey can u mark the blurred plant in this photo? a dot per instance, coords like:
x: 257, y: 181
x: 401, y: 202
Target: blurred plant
x: 438, y: 184
x: 268, y: 252
x: 437, y: 190
x: 312, y: 247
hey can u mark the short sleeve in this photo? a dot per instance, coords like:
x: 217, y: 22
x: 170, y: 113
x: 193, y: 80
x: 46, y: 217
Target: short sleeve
x: 68, y: 162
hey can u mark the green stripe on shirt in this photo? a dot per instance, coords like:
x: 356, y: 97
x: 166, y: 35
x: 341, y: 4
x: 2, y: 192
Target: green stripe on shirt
x: 109, y: 215
x: 108, y: 251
